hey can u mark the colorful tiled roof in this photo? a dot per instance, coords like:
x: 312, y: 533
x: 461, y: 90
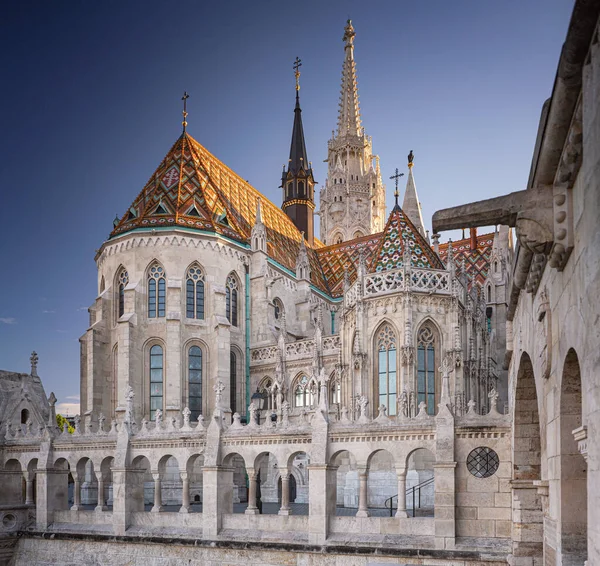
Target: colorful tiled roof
x: 191, y: 188
x: 390, y: 253
x: 336, y: 259
x: 476, y: 263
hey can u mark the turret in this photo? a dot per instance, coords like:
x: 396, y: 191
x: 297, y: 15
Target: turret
x: 297, y: 181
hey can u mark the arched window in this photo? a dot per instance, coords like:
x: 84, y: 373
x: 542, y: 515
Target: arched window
x: 386, y: 347
x: 426, y: 368
x: 358, y: 234
x: 102, y: 285
x: 495, y: 267
x: 156, y: 379
x: 231, y: 300
x: 301, y: 193
x: 122, y: 281
x: 195, y: 382
x: 24, y: 416
x: 489, y: 294
x: 304, y: 393
x: 194, y: 292
x: 335, y: 392
x: 157, y: 291
x: 233, y: 381
x: 337, y: 239
x: 278, y: 308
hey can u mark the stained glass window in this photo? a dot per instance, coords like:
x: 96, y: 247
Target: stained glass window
x: 122, y: 282
x: 195, y: 382
x: 426, y: 369
x: 156, y: 291
x: 387, y: 382
x: 233, y: 381
x: 194, y: 292
x: 231, y: 300
x: 304, y: 392
x: 156, y: 379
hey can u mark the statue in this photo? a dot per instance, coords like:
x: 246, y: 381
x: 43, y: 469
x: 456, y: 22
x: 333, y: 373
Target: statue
x: 186, y: 418
x: 403, y: 404
x: 34, y: 362
x: 252, y: 409
x: 362, y: 404
x: 218, y: 388
x: 158, y: 419
x: 101, y: 420
x: 411, y: 157
x: 129, y: 395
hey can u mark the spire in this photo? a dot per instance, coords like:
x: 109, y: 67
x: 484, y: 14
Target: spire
x: 349, y: 115
x: 298, y: 181
x: 184, y: 98
x: 411, y: 204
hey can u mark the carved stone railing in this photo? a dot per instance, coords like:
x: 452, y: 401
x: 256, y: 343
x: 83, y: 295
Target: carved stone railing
x: 293, y: 350
x: 299, y: 349
x: 351, y: 295
x: 424, y: 280
x: 332, y: 343
x: 266, y: 354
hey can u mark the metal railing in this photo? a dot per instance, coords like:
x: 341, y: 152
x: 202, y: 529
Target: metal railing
x: 416, y: 499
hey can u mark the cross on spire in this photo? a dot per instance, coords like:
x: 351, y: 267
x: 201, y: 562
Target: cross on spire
x: 396, y: 177
x: 184, y: 98
x: 296, y: 67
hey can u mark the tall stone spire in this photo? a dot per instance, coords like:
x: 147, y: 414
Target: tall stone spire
x: 411, y: 205
x: 349, y: 113
x: 352, y: 202
x: 297, y: 181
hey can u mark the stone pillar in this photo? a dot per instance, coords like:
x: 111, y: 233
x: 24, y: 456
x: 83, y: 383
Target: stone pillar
x: 76, y: 493
x: 285, y: 495
x: 52, y: 495
x: 217, y: 498
x: 100, y: 506
x: 185, y: 493
x: 29, y: 488
x: 401, y: 512
x: 252, y: 508
x: 527, y: 524
x: 128, y: 496
x: 157, y: 493
x: 321, y: 501
x: 363, y: 510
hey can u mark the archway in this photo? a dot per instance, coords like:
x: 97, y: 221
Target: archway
x: 382, y: 482
x: 347, y: 483
x: 420, y: 485
x: 527, y: 531
x: 142, y: 492
x: 194, y: 483
x: 573, y: 469
x: 170, y: 484
x: 240, y: 482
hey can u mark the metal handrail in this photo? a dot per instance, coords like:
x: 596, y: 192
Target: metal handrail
x: 409, y: 490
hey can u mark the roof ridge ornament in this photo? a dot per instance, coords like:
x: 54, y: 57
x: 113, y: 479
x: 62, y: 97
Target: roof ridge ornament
x: 296, y: 67
x: 185, y: 114
x: 396, y: 177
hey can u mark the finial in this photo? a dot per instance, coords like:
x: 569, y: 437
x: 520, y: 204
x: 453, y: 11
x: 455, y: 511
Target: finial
x: 184, y: 98
x: 349, y: 32
x: 296, y: 67
x: 34, y: 362
x: 410, y: 159
x: 396, y: 177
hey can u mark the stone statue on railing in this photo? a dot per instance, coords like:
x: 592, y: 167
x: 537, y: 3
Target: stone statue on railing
x: 471, y: 407
x: 101, y: 420
x: 422, y: 414
x: 493, y: 396
x: 52, y: 416
x: 252, y: 410
x: 285, y: 413
x: 344, y: 418
x: 77, y: 421
x: 129, y: 419
x: 403, y: 407
x: 382, y: 417
x: 362, y: 406
x: 186, y: 419
x: 158, y: 417
x: 237, y: 421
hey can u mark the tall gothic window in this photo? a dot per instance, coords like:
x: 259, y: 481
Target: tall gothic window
x: 231, y: 300
x: 265, y: 389
x: 156, y: 379
x: 194, y: 292
x: 156, y: 291
x: 195, y: 382
x: 233, y: 380
x: 426, y: 368
x: 335, y: 392
x: 386, y: 347
x: 122, y: 281
x: 304, y: 393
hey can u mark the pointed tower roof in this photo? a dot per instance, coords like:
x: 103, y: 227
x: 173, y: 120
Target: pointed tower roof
x: 411, y: 205
x: 349, y: 113
x: 400, y: 231
x: 298, y: 158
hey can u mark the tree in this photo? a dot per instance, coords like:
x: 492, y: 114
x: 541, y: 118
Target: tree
x: 60, y: 421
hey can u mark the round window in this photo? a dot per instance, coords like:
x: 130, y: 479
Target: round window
x: 483, y: 462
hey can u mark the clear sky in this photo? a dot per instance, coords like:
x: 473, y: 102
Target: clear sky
x: 91, y: 104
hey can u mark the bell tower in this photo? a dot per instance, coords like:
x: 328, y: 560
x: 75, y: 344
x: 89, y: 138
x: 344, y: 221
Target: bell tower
x: 352, y: 202
x: 297, y: 181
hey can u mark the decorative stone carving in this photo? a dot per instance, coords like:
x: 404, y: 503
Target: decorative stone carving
x: 186, y: 419
x: 362, y: 407
x: 581, y: 437
x: 158, y: 420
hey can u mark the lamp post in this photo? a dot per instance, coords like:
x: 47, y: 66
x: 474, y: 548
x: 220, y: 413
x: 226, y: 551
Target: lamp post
x: 259, y: 399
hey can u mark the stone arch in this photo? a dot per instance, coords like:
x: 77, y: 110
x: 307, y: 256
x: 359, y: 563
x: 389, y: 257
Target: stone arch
x: 527, y: 537
x: 12, y: 491
x: 573, y: 466
x: 194, y: 468
x: 304, y: 391
x: 382, y: 483
x: 62, y: 482
x: 239, y: 480
x: 346, y: 481
x: 105, y: 484
x: 420, y: 484
x: 142, y: 492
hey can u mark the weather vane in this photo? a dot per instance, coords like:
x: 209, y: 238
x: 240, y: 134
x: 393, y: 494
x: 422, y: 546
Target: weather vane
x: 396, y: 177
x: 297, y: 65
x: 184, y: 98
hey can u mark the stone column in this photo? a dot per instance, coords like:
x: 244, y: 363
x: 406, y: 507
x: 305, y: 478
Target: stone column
x: 252, y: 509
x: 100, y: 505
x: 76, y: 494
x: 52, y: 493
x: 321, y: 501
x: 527, y: 524
x: 285, y: 495
x: 363, y: 510
x: 217, y: 498
x: 29, y: 488
x: 401, y: 512
x: 128, y: 496
x: 185, y: 493
x: 157, y: 493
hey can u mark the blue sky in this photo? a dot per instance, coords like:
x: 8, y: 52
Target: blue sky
x: 91, y: 103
